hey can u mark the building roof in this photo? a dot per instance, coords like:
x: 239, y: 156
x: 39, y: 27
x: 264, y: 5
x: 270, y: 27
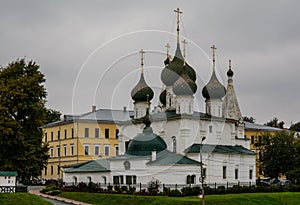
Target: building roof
x: 258, y: 127
x: 170, y: 158
x: 100, y: 115
x: 209, y: 148
x: 100, y: 165
x: 9, y: 173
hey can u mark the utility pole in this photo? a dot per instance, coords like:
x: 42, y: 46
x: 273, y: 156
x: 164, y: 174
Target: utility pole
x: 201, y: 171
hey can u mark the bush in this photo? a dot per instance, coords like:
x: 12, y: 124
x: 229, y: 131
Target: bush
x: 174, y: 193
x: 153, y: 186
x: 54, y: 192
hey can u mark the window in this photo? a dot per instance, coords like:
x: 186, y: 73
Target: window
x: 45, y: 173
x: 259, y: 138
x: 51, y: 170
x: 116, y: 150
x: 51, y: 151
x: 58, y: 135
x: 51, y: 136
x: 86, y: 150
x: 58, y: 151
x: 96, y: 132
x: 65, y: 134
x: 191, y: 179
x: 117, y: 133
x: 58, y: 169
x: 46, y: 137
x: 118, y: 179
x: 252, y: 139
x: 174, y: 144
x: 86, y: 132
x: 204, y: 172
x: 65, y: 150
x: 107, y: 133
x: 224, y: 172
x: 72, y: 133
x: 250, y: 174
x: 106, y: 150
x: 71, y: 149
x: 236, y: 173
x: 97, y: 150
x: 210, y: 129
x: 130, y: 179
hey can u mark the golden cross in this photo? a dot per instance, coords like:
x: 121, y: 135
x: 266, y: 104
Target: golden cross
x: 178, y: 21
x: 168, y: 47
x: 214, y: 48
x: 142, y: 52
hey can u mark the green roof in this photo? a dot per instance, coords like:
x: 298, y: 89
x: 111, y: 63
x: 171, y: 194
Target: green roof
x: 100, y: 165
x: 170, y: 158
x: 9, y: 173
x: 208, y: 148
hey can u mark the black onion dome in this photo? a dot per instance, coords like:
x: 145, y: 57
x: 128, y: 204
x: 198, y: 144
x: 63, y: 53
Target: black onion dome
x: 167, y: 61
x: 173, y: 70
x: 142, y: 92
x: 229, y: 73
x: 163, y: 97
x: 184, y: 85
x: 213, y: 89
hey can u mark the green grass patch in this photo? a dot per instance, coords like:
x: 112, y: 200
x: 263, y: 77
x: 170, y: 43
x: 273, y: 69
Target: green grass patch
x: 286, y: 198
x: 21, y: 199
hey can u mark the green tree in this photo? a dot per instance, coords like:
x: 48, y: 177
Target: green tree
x: 22, y: 113
x: 249, y: 119
x: 275, y: 123
x: 295, y: 127
x: 52, y: 116
x: 277, y: 153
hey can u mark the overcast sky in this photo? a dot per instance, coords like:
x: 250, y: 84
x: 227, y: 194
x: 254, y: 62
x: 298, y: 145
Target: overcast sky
x: 88, y: 50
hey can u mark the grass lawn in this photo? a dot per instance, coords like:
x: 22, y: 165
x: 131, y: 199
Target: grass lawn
x: 286, y: 198
x: 21, y: 199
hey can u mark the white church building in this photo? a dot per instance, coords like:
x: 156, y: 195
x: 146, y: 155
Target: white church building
x: 170, y: 143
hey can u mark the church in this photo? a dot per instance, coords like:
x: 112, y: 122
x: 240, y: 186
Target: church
x: 176, y: 144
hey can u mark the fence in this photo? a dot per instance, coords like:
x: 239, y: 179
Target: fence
x: 13, y: 189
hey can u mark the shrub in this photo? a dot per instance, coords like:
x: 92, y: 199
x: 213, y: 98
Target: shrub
x: 153, y: 186
x: 54, y: 192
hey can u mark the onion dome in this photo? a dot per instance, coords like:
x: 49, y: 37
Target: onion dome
x: 229, y: 73
x: 184, y: 85
x: 146, y: 142
x: 162, y: 97
x: 167, y: 61
x: 142, y: 92
x: 213, y: 89
x: 173, y: 70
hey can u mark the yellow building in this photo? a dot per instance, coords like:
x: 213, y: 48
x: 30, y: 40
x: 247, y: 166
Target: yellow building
x: 254, y: 132
x: 80, y: 138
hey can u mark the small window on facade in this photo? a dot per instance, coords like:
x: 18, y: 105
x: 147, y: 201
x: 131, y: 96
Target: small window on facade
x: 210, y: 129
x: 250, y: 174
x: 259, y: 138
x: 86, y: 132
x: 96, y: 132
x: 252, y: 139
x: 236, y: 173
x: 65, y: 150
x: 224, y: 172
x: 51, y: 151
x: 58, y: 151
x: 65, y: 134
x: 86, y: 150
x: 116, y: 150
x: 51, y: 136
x: 174, y: 144
x: 130, y: 180
x: 117, y: 133
x: 204, y: 172
x: 46, y: 137
x: 58, y: 169
x: 97, y: 150
x: 51, y: 170
x: 45, y: 173
x: 58, y: 135
x: 107, y: 133
x: 106, y: 150
x: 72, y: 133
x: 71, y: 149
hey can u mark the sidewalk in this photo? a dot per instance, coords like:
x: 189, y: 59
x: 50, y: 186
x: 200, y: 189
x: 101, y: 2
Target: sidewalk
x: 70, y: 201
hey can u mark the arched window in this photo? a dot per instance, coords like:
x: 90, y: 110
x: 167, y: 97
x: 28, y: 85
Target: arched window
x: 191, y: 179
x: 104, y: 179
x: 174, y: 144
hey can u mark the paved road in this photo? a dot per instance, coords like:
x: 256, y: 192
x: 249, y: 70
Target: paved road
x: 55, y: 202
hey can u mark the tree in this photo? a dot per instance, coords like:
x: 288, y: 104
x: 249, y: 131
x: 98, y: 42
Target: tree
x: 295, y: 127
x: 22, y: 113
x: 275, y: 123
x: 249, y: 119
x: 52, y: 116
x: 277, y: 153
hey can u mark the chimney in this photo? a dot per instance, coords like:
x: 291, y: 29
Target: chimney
x: 94, y: 108
x: 153, y: 156
x: 124, y: 109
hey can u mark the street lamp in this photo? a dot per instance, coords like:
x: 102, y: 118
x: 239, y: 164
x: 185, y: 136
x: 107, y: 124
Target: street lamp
x: 201, y: 171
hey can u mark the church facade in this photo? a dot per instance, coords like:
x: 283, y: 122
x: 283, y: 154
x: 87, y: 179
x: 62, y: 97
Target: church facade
x: 172, y: 142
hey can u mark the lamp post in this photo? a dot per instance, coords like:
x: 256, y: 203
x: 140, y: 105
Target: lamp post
x: 201, y: 171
